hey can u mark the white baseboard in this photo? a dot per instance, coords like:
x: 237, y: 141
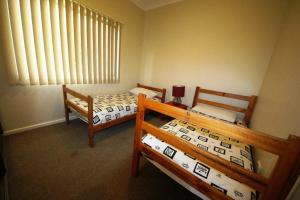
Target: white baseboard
x: 39, y: 125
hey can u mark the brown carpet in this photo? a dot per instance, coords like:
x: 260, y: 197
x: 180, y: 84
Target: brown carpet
x: 55, y: 162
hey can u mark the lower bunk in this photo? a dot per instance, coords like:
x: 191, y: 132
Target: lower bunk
x: 212, y: 158
x: 230, y: 150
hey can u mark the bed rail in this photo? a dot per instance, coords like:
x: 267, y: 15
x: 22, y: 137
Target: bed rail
x: 248, y: 111
x: 269, y: 188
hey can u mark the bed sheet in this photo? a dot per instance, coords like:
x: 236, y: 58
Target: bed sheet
x: 109, y: 107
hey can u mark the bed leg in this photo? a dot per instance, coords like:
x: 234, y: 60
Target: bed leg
x: 67, y: 115
x: 135, y: 164
x: 90, y: 121
x: 138, y: 136
x: 67, y: 110
x: 91, y: 136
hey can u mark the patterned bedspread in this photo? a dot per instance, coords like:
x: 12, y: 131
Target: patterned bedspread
x: 110, y: 106
x: 229, y: 149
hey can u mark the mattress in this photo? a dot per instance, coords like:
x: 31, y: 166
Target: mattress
x: 226, y: 148
x: 109, y: 107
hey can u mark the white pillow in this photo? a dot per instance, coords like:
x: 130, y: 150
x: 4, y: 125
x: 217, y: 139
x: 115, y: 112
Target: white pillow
x: 148, y: 93
x: 217, y: 112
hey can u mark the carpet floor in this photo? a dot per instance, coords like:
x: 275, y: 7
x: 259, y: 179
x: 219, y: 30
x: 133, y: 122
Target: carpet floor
x: 55, y: 162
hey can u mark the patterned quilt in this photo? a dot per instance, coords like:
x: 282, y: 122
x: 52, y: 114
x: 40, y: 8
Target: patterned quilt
x: 110, y: 106
x: 229, y: 149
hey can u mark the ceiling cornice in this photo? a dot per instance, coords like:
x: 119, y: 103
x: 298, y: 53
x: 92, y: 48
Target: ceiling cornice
x: 152, y: 4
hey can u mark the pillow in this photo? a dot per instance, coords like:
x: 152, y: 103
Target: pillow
x: 148, y: 93
x: 216, y: 112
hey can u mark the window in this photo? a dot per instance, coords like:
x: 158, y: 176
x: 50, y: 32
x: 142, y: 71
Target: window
x: 59, y: 41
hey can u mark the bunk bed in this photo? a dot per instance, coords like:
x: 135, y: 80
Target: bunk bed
x: 104, y: 111
x: 207, y: 172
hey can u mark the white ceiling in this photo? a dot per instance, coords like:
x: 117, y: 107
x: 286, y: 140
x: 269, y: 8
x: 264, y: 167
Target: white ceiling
x: 151, y: 4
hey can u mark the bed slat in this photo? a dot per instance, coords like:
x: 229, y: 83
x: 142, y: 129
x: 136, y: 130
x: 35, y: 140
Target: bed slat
x: 76, y: 94
x: 77, y: 108
x: 225, y: 94
x: 221, y: 105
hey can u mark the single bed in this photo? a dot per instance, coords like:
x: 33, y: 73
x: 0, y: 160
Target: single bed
x: 210, y: 157
x: 106, y: 110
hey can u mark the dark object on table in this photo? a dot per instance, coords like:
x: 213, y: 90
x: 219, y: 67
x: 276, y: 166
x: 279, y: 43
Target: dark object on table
x: 177, y: 93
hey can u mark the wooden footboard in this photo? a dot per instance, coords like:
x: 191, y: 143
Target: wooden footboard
x: 92, y: 129
x: 273, y: 187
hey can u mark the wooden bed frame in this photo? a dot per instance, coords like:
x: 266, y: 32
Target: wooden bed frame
x: 93, y: 129
x: 250, y: 99
x: 274, y: 187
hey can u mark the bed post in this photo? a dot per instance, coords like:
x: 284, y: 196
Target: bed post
x: 249, y: 112
x: 163, y: 96
x: 195, y: 101
x: 138, y: 135
x: 65, y: 104
x: 284, y: 167
x: 90, y: 121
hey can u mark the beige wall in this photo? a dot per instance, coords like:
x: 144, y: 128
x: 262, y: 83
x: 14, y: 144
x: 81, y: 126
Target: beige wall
x: 224, y: 45
x: 24, y: 106
x: 278, y: 106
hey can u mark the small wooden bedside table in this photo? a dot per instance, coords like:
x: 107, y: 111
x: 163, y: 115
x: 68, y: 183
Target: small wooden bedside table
x: 178, y: 105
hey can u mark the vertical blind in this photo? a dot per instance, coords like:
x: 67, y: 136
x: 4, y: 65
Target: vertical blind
x: 59, y: 41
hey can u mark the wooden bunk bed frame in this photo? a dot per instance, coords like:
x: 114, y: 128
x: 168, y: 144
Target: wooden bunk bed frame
x: 93, y: 129
x: 248, y: 111
x: 274, y: 187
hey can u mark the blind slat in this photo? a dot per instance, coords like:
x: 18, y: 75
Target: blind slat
x: 118, y: 52
x: 84, y: 45
x: 70, y: 31
x: 18, y: 40
x: 29, y: 42
x: 90, y: 45
x: 108, y: 51
x: 101, y: 55
x: 64, y: 40
x: 57, y: 41
x: 111, y: 51
x: 104, y: 50
x: 95, y: 48
x: 39, y: 41
x: 8, y: 45
x: 78, y: 48
x: 115, y: 53
x: 46, y: 24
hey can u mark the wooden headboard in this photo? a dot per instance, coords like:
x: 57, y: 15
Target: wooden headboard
x: 247, y: 111
x: 160, y: 90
